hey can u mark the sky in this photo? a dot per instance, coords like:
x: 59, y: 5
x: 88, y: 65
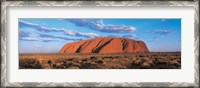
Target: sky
x: 49, y: 35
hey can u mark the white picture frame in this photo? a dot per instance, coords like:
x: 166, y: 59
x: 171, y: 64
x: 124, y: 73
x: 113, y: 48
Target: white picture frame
x: 92, y: 4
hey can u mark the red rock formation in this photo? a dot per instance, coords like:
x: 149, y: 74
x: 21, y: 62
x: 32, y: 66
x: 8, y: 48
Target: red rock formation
x: 105, y: 45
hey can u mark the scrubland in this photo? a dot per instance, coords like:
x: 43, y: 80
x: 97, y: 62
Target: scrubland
x: 153, y: 60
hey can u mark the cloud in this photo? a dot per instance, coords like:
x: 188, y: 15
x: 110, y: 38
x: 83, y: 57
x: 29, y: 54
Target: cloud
x: 161, y: 32
x: 124, y: 36
x: 28, y: 39
x: 155, y: 38
x: 38, y: 27
x: 25, y: 36
x: 49, y: 40
x: 65, y: 31
x: 114, y: 35
x: 79, y: 34
x: 98, y: 25
x: 129, y: 36
x: 24, y: 33
x: 44, y: 35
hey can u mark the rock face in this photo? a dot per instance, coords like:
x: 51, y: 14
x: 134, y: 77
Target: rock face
x: 105, y: 45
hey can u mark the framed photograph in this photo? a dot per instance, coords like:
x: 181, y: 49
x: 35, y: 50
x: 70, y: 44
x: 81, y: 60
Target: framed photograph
x: 100, y: 44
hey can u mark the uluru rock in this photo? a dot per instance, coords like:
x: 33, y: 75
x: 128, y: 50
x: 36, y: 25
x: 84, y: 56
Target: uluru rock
x: 105, y: 45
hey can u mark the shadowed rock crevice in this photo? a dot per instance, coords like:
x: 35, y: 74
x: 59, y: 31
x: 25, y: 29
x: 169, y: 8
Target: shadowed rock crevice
x: 124, y: 44
x: 85, y: 45
x: 78, y: 50
x: 100, y: 47
x: 97, y: 45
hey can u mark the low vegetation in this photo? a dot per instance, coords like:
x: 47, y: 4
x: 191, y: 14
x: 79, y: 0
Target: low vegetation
x: 164, y: 60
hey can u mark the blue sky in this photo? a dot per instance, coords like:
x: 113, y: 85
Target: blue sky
x: 48, y: 35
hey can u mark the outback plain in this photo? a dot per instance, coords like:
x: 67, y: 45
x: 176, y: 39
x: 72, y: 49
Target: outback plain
x: 154, y: 60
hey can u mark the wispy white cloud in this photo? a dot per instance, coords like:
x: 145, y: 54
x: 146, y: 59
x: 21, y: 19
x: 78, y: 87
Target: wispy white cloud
x: 23, y: 33
x: 49, y: 29
x: 49, y: 40
x: 129, y: 36
x: 39, y: 27
x: 155, y: 38
x: 79, y: 34
x: 161, y: 32
x: 45, y: 35
x: 158, y: 34
x: 28, y: 39
x: 114, y: 35
x: 98, y: 25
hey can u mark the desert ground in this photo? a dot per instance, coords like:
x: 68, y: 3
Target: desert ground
x: 153, y: 60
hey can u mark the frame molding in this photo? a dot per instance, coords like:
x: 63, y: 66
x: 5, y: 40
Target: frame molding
x: 6, y: 4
